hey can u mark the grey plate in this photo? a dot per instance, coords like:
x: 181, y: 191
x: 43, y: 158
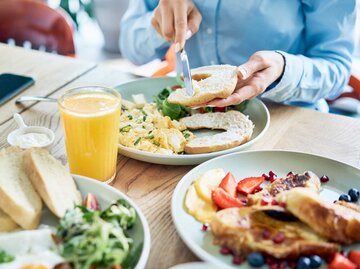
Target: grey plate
x: 256, y: 110
x: 105, y: 195
x: 253, y: 163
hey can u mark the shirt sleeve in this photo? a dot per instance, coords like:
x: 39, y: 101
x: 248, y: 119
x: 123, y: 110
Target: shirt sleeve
x: 324, y: 69
x: 137, y: 30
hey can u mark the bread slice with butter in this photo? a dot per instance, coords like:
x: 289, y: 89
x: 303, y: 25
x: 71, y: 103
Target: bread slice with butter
x: 209, y: 82
x: 18, y: 197
x: 52, y: 180
x: 238, y: 130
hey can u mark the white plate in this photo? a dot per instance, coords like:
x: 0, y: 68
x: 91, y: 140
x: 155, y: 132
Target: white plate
x: 253, y: 163
x: 150, y: 87
x: 105, y: 194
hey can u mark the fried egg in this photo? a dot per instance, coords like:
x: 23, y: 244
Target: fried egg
x: 33, y: 249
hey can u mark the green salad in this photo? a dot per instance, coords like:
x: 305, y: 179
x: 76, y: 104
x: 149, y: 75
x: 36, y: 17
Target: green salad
x: 176, y: 112
x: 94, y: 238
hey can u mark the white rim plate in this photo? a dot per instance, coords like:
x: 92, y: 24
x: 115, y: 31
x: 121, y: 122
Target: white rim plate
x: 256, y: 110
x: 105, y: 195
x: 252, y: 163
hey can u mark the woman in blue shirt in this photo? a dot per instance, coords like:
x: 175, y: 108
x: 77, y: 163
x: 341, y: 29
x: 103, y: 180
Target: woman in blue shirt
x: 287, y: 51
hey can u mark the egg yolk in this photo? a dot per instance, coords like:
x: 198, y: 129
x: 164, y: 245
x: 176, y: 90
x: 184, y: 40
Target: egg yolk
x: 34, y: 266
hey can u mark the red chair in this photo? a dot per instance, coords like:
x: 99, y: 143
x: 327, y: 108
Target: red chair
x: 35, y: 22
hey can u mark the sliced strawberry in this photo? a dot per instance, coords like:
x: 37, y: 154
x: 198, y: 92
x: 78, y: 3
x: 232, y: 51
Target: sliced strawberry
x: 248, y: 185
x: 354, y: 256
x: 341, y: 262
x: 223, y: 200
x: 228, y: 184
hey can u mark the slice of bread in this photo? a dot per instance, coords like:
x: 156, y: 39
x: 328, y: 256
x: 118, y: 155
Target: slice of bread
x: 6, y: 223
x: 52, y: 180
x: 238, y: 130
x: 209, y: 82
x: 18, y: 197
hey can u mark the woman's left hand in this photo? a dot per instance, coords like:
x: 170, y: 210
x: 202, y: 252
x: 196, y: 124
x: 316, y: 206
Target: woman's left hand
x: 254, y: 76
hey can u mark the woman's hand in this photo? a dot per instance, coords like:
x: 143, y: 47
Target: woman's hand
x: 254, y: 76
x: 174, y: 18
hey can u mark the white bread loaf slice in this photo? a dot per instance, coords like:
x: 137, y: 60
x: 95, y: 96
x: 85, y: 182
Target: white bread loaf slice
x: 238, y: 130
x: 18, y: 197
x: 6, y: 223
x: 209, y: 82
x: 52, y: 180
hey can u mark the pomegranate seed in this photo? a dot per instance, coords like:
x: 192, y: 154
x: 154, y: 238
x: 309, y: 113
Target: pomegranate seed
x: 263, y: 202
x: 324, y: 179
x: 270, y: 260
x: 282, y: 265
x: 204, y: 227
x: 244, y: 201
x: 272, y: 174
x: 273, y: 266
x: 290, y: 174
x: 257, y: 189
x: 282, y: 204
x: 278, y: 238
x: 225, y: 251
x: 266, y: 234
x: 292, y: 264
x: 267, y: 178
x: 274, y: 202
x: 237, y: 260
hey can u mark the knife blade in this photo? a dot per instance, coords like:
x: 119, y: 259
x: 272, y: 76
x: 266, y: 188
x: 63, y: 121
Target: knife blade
x: 186, y: 72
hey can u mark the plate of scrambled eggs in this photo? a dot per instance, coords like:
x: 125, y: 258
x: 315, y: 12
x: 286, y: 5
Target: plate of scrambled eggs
x: 145, y: 134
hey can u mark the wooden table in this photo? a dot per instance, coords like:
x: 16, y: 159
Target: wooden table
x: 151, y: 185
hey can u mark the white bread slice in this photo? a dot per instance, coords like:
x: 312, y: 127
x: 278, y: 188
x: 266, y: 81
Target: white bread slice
x: 6, y: 223
x: 52, y: 180
x: 238, y: 130
x: 209, y: 82
x: 18, y: 197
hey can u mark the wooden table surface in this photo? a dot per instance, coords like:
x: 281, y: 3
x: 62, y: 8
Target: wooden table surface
x: 149, y: 185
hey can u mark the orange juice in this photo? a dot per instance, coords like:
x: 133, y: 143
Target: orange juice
x: 90, y: 117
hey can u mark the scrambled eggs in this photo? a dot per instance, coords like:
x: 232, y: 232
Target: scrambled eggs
x: 147, y: 129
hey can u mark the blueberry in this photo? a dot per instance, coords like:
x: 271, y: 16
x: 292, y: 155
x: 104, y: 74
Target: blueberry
x: 303, y: 263
x: 256, y: 259
x: 315, y: 261
x: 354, y: 194
x: 345, y: 197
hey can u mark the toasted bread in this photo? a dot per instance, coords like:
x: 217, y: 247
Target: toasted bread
x: 307, y: 180
x: 18, y: 197
x: 6, y: 223
x: 52, y: 180
x: 333, y: 221
x: 242, y: 231
x: 238, y: 130
x: 209, y: 82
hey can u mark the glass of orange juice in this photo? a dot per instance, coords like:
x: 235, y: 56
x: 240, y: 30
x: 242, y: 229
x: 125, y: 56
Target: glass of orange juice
x: 90, y: 117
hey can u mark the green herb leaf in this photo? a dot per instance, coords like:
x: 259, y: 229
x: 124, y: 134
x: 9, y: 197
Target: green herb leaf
x: 156, y: 143
x: 150, y: 136
x: 137, y: 141
x: 130, y: 117
x: 125, y: 129
x: 5, y: 257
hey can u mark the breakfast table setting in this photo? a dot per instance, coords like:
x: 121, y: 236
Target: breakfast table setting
x: 284, y: 136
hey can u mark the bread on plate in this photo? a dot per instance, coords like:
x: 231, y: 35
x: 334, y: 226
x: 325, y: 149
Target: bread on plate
x: 18, y: 197
x: 52, y: 180
x: 237, y: 128
x: 209, y: 82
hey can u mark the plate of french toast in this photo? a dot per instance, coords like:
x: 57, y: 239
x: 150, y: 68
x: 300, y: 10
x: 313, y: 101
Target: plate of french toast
x: 52, y: 219
x: 271, y: 209
x: 161, y: 124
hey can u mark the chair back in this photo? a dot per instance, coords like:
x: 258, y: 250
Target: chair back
x: 34, y: 24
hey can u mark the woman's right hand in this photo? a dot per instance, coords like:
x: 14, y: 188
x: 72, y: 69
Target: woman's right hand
x: 173, y: 18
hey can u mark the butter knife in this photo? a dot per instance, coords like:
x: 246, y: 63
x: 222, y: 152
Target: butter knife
x: 186, y: 72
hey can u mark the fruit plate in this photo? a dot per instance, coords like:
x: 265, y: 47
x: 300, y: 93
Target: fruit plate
x: 105, y: 195
x: 150, y: 87
x: 253, y: 163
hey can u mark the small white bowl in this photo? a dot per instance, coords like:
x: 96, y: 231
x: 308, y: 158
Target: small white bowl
x: 24, y: 129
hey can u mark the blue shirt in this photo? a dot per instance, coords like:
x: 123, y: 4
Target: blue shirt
x: 316, y: 38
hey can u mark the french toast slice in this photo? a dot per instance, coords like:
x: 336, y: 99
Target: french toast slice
x: 307, y: 180
x: 245, y: 230
x: 338, y: 222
